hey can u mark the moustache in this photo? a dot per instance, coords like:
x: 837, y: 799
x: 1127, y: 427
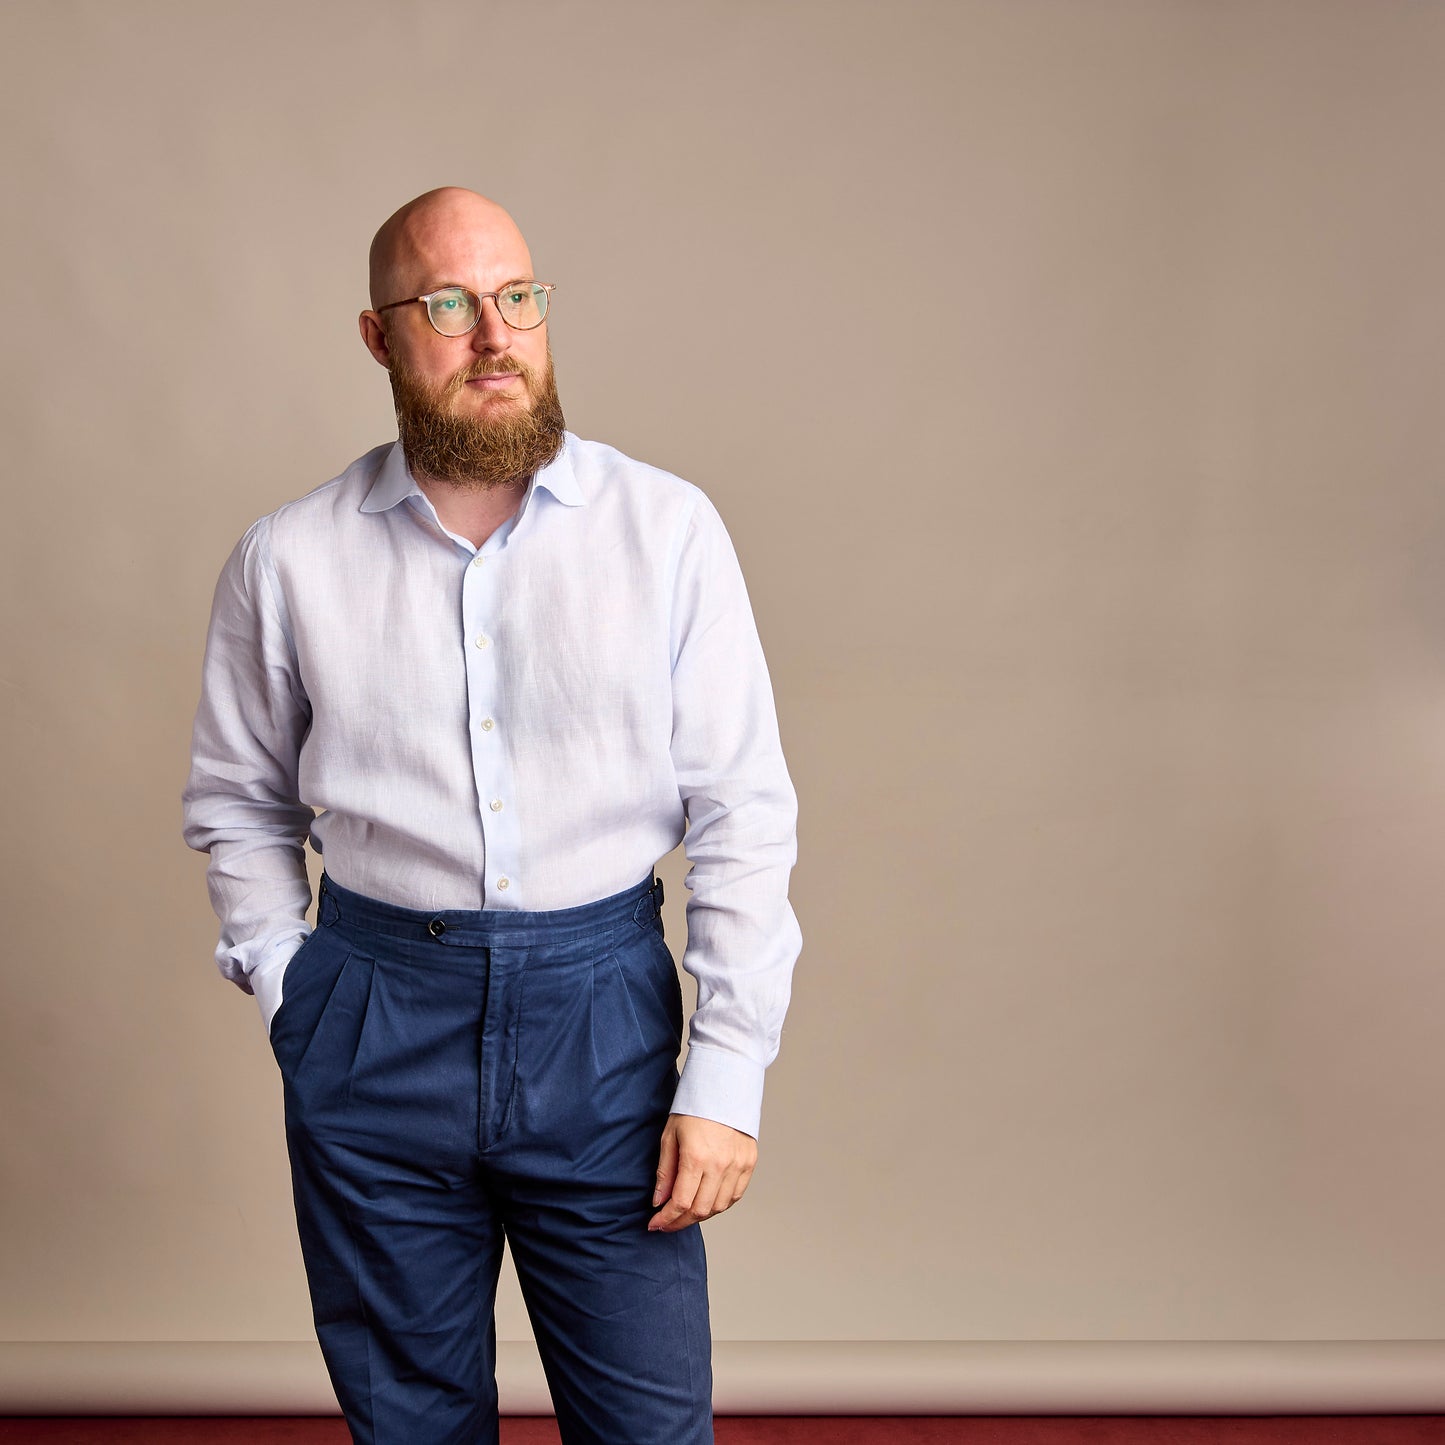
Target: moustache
x: 493, y: 369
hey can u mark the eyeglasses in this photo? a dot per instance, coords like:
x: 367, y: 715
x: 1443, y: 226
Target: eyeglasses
x: 454, y: 311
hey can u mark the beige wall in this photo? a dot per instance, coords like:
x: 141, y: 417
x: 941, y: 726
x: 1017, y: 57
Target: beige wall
x: 1069, y: 376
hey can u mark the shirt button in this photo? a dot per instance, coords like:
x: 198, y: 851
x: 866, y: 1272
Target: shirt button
x: 504, y: 882
x: 496, y: 805
x: 483, y: 640
x: 487, y: 725
x: 478, y: 560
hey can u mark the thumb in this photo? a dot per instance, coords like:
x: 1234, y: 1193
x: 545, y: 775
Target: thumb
x: 666, y: 1163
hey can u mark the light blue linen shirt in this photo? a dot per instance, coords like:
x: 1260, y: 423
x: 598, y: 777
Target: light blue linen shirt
x: 530, y: 725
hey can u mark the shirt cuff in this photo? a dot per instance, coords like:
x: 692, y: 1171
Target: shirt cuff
x: 266, y: 978
x: 721, y: 1086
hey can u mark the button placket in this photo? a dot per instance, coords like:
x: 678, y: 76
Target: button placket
x: 482, y: 598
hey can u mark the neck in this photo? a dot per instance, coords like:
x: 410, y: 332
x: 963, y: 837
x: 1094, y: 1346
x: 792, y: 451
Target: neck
x: 472, y: 512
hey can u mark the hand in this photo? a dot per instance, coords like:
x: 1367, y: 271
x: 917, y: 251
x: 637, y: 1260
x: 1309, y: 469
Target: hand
x: 705, y: 1166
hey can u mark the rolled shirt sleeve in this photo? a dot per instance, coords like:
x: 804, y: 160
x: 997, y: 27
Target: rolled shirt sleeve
x: 240, y: 801
x: 741, y: 807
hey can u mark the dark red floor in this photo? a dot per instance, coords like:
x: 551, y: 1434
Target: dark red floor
x: 794, y: 1430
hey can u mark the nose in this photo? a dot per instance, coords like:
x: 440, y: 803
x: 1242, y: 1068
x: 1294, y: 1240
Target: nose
x: 491, y: 333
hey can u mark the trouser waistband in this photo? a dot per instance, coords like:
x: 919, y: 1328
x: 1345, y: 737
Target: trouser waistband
x: 487, y: 927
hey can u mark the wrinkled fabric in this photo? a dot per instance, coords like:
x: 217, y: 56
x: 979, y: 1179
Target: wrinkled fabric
x: 457, y: 1079
x: 525, y: 726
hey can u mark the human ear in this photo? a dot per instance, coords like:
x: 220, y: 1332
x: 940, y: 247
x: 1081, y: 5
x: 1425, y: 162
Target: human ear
x: 373, y: 334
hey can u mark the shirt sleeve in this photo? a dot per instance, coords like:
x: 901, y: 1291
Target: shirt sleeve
x: 240, y: 802
x: 743, y: 937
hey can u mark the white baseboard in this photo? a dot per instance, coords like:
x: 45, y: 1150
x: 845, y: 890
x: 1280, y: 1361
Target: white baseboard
x: 786, y: 1377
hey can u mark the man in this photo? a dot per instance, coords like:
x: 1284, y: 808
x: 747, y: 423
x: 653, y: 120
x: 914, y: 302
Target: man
x: 507, y: 665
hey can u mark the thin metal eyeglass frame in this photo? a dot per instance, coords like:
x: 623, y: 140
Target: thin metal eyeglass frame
x: 547, y: 286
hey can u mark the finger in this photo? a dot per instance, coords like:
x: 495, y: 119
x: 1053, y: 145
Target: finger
x: 740, y: 1184
x: 666, y: 1164
x: 684, y: 1189
x: 669, y: 1219
x: 715, y: 1193
x: 712, y: 1188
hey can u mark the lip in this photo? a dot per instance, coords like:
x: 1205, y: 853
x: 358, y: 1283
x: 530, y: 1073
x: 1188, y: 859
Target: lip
x: 495, y: 382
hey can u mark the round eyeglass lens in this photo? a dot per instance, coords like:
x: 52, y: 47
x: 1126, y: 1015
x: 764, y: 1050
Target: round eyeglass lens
x: 523, y: 304
x: 453, y: 312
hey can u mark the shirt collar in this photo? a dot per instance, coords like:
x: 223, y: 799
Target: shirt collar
x: 394, y: 482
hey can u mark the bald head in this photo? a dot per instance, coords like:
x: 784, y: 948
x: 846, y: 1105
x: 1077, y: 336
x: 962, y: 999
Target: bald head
x: 434, y: 230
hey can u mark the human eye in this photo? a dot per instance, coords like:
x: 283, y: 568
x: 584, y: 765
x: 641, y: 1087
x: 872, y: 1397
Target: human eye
x: 452, y: 310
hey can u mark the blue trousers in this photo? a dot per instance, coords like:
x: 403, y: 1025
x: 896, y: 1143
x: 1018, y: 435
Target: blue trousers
x: 452, y: 1079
